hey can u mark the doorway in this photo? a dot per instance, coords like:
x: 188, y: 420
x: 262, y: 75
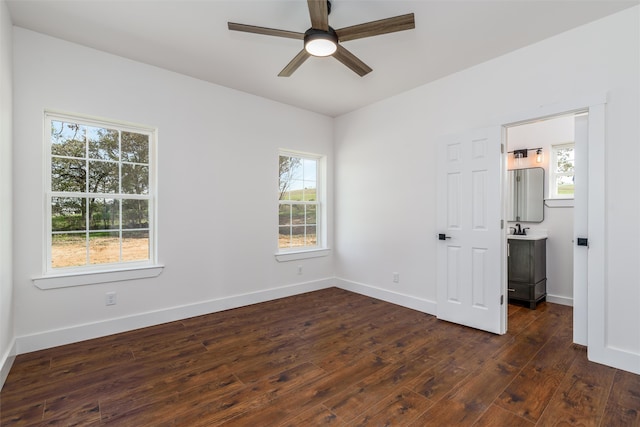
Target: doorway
x: 548, y: 144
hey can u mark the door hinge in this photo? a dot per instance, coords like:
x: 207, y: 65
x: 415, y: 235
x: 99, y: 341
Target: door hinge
x: 502, y: 224
x: 502, y: 148
x: 501, y: 299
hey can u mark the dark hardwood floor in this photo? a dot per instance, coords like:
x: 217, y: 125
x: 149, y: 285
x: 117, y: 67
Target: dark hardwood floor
x: 324, y: 358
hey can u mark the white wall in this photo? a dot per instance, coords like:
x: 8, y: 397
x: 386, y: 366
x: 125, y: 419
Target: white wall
x: 217, y: 197
x: 558, y: 221
x: 385, y: 160
x: 6, y: 285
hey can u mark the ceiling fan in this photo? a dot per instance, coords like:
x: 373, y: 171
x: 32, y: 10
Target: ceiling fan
x: 322, y: 40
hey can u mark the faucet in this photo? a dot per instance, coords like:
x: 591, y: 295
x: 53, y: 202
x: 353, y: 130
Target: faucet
x: 519, y: 231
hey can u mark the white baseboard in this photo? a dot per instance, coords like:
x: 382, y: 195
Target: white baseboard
x: 415, y: 303
x: 53, y: 338
x: 557, y: 299
x: 6, y: 362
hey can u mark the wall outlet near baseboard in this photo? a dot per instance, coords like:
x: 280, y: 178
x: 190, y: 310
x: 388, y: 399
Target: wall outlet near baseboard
x: 110, y: 298
x: 396, y: 277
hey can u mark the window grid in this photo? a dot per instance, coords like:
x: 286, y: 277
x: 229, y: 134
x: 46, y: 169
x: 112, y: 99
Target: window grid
x: 299, y: 207
x: 109, y: 205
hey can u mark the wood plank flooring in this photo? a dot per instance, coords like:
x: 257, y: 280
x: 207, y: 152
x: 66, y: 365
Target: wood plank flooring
x: 329, y: 357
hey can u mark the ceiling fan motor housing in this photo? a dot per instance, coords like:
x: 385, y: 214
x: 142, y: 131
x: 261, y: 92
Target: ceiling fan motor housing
x: 320, y: 42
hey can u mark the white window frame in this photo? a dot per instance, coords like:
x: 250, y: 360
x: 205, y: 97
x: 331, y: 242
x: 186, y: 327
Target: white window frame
x: 554, y: 175
x: 320, y: 249
x: 105, y: 272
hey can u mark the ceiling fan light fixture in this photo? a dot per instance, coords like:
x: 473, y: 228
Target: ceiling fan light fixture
x: 320, y: 43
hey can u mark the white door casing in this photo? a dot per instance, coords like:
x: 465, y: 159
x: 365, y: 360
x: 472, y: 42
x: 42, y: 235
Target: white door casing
x: 580, y: 229
x: 470, y: 270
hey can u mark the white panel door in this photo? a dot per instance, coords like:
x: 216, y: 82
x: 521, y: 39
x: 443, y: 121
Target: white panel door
x: 470, y: 268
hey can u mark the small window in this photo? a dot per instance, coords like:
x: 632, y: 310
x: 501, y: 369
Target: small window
x: 100, y: 194
x: 561, y: 171
x: 300, y: 207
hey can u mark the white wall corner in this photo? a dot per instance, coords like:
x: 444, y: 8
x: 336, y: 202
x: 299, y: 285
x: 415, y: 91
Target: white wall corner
x: 408, y: 301
x: 6, y: 362
x: 76, y: 333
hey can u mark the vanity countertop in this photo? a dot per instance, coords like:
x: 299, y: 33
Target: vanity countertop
x: 532, y: 236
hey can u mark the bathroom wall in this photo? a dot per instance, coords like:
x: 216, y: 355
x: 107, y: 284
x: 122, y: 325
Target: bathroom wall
x: 558, y: 217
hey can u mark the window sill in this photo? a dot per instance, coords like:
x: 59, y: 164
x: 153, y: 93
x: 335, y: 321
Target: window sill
x: 558, y: 203
x: 294, y: 256
x: 67, y: 280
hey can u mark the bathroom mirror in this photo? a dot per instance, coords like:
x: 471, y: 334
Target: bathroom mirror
x: 526, y: 192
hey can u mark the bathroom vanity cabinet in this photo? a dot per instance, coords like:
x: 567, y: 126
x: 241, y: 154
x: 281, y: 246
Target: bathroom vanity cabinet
x: 527, y: 269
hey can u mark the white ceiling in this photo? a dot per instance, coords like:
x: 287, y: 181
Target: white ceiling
x: 191, y: 37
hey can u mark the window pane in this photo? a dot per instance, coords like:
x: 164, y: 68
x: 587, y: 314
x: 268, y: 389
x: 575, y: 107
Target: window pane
x: 67, y: 139
x: 310, y: 193
x: 297, y: 214
x: 135, y: 179
x: 284, y: 215
x: 103, y: 144
x: 68, y: 175
x: 297, y: 236
x: 296, y: 190
x: 104, y: 214
x: 311, y: 215
x: 135, y: 245
x: 565, y: 186
x: 103, y: 177
x: 135, y: 147
x: 290, y: 171
x: 310, y: 170
x: 311, y: 238
x: 68, y: 250
x: 135, y: 213
x: 67, y: 214
x: 284, y: 237
x: 104, y: 247
x: 565, y: 160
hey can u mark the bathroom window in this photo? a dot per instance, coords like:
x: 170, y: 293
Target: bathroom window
x: 561, y: 171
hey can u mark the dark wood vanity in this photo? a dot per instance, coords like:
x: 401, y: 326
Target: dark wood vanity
x: 527, y: 270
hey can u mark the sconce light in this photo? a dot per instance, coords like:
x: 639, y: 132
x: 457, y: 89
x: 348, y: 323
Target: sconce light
x: 522, y: 153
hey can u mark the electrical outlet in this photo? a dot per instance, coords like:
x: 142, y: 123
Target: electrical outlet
x: 396, y: 277
x: 110, y: 298
x: 299, y: 269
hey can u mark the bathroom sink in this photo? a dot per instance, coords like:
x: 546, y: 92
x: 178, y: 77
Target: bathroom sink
x: 527, y: 237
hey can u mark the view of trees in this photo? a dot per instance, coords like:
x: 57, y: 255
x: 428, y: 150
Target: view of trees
x: 298, y: 202
x: 565, y: 170
x: 97, y: 176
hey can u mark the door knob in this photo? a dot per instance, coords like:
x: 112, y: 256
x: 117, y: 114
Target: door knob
x: 443, y: 237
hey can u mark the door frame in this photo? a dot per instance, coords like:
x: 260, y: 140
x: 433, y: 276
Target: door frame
x: 592, y: 314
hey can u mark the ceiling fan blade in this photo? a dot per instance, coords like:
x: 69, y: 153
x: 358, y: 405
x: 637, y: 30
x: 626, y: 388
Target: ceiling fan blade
x: 266, y: 31
x: 294, y: 64
x: 375, y: 28
x: 319, y: 14
x: 351, y: 61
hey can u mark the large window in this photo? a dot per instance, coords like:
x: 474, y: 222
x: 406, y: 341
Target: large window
x: 100, y: 194
x: 562, y: 170
x: 300, y: 205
